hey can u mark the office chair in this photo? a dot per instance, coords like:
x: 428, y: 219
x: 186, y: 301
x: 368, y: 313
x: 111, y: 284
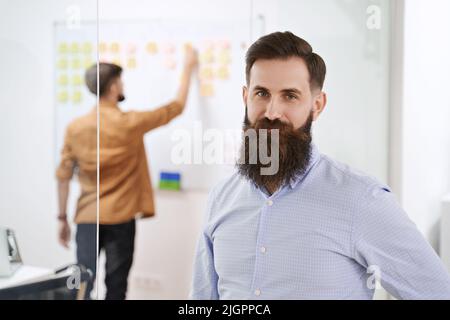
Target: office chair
x: 67, y: 283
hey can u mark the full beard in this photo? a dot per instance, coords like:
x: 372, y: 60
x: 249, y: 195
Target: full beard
x: 294, y: 148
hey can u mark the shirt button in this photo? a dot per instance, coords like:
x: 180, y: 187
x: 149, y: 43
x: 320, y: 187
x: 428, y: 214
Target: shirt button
x: 257, y: 292
x: 263, y: 249
x: 269, y: 202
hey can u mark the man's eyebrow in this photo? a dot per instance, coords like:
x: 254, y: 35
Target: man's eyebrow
x: 292, y: 90
x: 260, y: 88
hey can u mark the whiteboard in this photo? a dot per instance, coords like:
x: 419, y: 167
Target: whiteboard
x: 151, y: 53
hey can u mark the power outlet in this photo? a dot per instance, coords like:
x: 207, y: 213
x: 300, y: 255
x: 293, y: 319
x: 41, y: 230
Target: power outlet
x: 147, y: 282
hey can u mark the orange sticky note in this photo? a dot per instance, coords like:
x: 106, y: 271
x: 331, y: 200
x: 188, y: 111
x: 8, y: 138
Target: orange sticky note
x: 115, y: 47
x: 151, y: 48
x: 206, y: 89
x: 169, y: 49
x: 131, y: 49
x: 170, y: 63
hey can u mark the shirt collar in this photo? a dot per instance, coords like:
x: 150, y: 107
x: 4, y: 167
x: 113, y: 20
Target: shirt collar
x: 313, y: 158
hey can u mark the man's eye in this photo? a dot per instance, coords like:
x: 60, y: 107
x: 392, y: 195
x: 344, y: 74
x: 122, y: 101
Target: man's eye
x: 291, y: 97
x: 261, y: 94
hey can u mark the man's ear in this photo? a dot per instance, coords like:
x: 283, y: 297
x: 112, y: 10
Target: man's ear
x: 245, y: 95
x: 113, y: 87
x: 320, y: 101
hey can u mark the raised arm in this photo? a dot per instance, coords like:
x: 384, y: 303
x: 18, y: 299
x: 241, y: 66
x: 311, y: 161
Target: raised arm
x: 145, y: 121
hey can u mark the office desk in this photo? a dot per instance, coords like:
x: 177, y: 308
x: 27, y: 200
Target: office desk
x: 23, y: 275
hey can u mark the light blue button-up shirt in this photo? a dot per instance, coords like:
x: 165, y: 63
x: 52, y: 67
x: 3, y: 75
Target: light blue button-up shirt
x: 327, y: 235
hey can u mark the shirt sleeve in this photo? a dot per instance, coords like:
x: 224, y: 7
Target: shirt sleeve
x: 390, y: 246
x: 67, y: 163
x: 144, y: 121
x: 205, y: 278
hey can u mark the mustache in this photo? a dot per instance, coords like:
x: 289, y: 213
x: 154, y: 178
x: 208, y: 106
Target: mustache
x: 276, y: 124
x: 286, y: 130
x: 266, y: 123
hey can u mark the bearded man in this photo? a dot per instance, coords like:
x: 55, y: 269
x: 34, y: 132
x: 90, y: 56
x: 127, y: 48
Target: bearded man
x: 292, y: 223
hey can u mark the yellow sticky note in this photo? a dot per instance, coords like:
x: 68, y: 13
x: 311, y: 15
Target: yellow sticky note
x: 207, y: 57
x: 115, y: 47
x: 74, y: 48
x: 77, y: 80
x: 77, y: 97
x: 116, y: 61
x: 76, y: 64
x: 102, y: 47
x: 63, y: 80
x: 63, y: 48
x: 223, y: 73
x: 87, y: 63
x: 206, y: 73
x: 87, y: 48
x: 151, y: 48
x: 62, y: 64
x: 224, y: 57
x: 206, y: 89
x: 131, y: 63
x: 62, y: 96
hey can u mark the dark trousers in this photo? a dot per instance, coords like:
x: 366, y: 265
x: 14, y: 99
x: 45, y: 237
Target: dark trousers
x: 118, y: 243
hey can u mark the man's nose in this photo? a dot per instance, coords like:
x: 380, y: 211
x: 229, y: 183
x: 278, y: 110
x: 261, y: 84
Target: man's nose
x: 273, y: 111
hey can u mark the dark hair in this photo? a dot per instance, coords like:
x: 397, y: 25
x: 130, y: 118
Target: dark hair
x: 283, y: 45
x: 108, y: 72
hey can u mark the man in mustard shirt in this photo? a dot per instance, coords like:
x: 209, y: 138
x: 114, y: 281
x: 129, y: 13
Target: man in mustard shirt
x: 125, y: 186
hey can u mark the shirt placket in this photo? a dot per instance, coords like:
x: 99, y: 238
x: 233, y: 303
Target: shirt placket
x: 262, y: 250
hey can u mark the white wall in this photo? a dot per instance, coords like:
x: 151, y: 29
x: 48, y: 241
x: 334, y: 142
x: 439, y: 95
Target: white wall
x: 354, y: 125
x: 424, y: 123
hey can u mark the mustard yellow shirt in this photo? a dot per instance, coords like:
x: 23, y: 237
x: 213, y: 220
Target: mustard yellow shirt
x: 125, y: 185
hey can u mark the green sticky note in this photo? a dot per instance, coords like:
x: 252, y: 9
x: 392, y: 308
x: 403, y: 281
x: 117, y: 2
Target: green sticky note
x: 169, y: 185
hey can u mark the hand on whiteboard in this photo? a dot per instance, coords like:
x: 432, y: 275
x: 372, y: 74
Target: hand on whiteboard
x: 190, y: 57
